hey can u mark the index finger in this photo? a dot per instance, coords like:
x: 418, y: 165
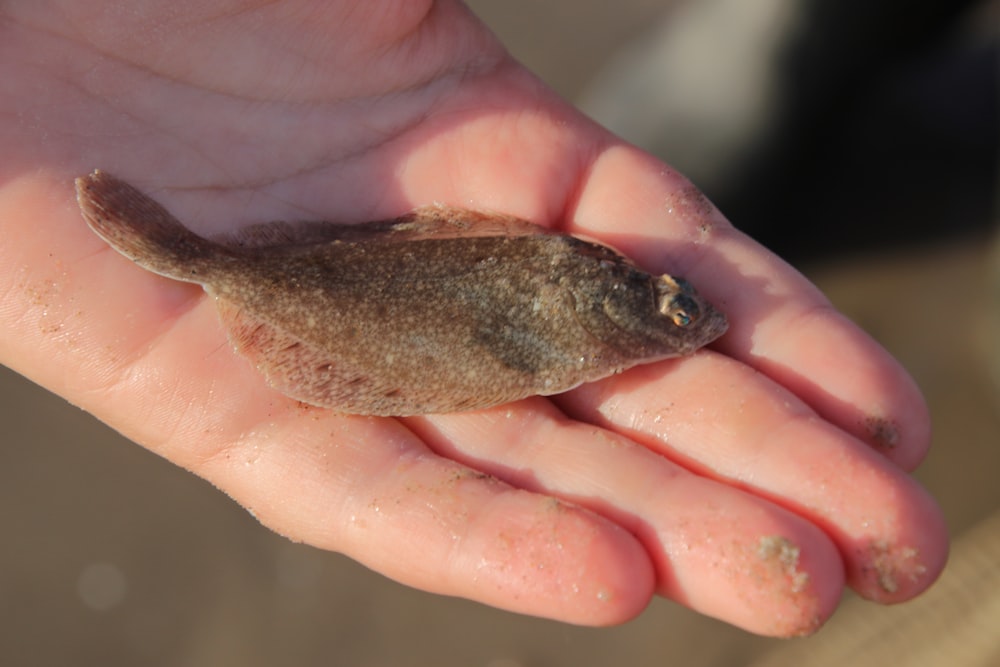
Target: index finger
x: 780, y: 324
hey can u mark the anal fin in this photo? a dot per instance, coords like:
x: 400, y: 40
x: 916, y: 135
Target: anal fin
x: 299, y: 369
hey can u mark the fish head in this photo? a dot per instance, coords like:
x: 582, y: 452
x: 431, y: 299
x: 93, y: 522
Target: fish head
x: 661, y: 316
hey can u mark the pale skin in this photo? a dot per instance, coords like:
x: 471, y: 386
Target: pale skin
x: 750, y: 482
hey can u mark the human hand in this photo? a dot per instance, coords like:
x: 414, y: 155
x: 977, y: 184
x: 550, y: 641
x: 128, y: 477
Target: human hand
x: 749, y: 481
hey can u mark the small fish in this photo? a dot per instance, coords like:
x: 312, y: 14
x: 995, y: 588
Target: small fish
x: 439, y: 310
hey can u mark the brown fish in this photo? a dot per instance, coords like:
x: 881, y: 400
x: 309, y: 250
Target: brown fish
x: 440, y: 310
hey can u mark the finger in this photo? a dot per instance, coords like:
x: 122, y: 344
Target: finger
x: 370, y: 489
x: 723, y: 419
x: 715, y: 549
x: 779, y: 323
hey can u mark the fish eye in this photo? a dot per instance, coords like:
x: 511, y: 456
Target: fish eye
x: 682, y: 309
x: 677, y: 299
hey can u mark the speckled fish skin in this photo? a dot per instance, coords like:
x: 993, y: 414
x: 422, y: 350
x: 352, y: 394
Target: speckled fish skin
x: 440, y: 310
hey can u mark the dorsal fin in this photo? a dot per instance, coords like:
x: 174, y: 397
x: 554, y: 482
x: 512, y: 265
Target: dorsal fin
x: 426, y: 222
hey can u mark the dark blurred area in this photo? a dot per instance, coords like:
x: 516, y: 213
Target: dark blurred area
x: 850, y: 125
x: 857, y: 138
x: 888, y: 132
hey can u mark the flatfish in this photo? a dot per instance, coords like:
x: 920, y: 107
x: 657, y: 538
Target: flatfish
x: 439, y: 310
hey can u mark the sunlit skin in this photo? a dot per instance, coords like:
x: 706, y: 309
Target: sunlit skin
x: 751, y: 481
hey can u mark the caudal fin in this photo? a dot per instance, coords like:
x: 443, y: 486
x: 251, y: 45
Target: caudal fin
x: 141, y: 229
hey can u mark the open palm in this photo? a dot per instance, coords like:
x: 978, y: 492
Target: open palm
x: 750, y: 481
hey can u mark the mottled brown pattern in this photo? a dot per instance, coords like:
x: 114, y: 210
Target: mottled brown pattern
x: 440, y: 310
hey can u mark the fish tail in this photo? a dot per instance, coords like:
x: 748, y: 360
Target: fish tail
x: 141, y: 229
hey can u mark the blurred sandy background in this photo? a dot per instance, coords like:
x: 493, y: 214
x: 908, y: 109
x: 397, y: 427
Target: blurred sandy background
x: 860, y: 142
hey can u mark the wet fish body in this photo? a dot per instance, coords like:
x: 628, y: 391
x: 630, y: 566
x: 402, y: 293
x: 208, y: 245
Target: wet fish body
x: 440, y: 310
